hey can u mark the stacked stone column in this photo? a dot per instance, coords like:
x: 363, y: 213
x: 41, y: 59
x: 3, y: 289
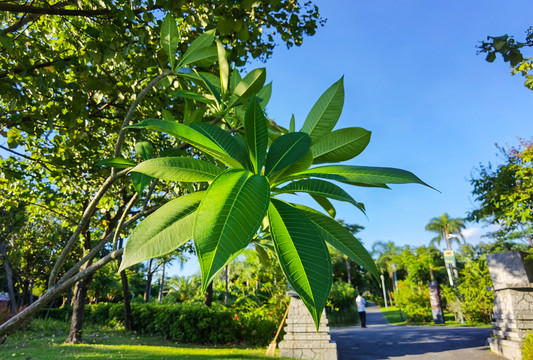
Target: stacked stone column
x: 301, y: 340
x: 512, y: 278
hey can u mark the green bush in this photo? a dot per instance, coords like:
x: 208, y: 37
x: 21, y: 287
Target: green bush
x: 341, y: 297
x: 413, y: 301
x: 185, y: 323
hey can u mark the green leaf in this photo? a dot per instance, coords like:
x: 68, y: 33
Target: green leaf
x: 264, y: 94
x: 301, y: 165
x: 208, y: 53
x: 286, y: 150
x: 119, y: 163
x: 325, y: 204
x: 326, y: 112
x: 201, y: 42
x: 145, y: 149
x: 170, y: 38
x: 365, y: 175
x: 292, y: 125
x: 191, y: 95
x: 262, y: 255
x: 251, y: 84
x: 212, y: 88
x: 225, y: 141
x: 164, y: 231
x: 224, y: 67
x: 227, y: 219
x: 167, y: 115
x: 188, y: 135
x: 234, y: 80
x: 303, y: 255
x: 255, y: 130
x: 178, y: 169
x: 341, y: 239
x: 140, y: 181
x: 340, y: 145
x: 321, y: 188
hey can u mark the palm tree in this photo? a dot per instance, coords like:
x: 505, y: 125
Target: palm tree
x: 447, y: 229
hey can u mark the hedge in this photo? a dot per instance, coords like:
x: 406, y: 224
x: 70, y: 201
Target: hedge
x: 184, y: 323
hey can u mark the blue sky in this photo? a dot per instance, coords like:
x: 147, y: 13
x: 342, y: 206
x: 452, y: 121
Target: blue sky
x: 413, y: 78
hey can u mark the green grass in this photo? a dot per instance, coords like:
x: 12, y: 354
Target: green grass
x: 392, y: 314
x: 44, y: 340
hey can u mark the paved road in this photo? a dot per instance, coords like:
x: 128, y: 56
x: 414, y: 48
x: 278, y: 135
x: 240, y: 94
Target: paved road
x: 383, y: 341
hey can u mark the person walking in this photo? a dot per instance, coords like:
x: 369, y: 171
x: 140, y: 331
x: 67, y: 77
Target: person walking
x: 361, y: 308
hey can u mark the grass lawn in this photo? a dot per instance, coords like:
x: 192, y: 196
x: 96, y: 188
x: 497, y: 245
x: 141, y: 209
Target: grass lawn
x: 392, y: 314
x: 47, y: 344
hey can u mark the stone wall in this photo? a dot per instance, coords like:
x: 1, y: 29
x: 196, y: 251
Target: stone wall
x: 301, y: 340
x: 512, y: 278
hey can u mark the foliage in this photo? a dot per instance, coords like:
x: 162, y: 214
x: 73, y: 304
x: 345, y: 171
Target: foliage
x: 505, y: 194
x: 413, y: 301
x: 445, y: 227
x: 246, y: 172
x: 476, y: 301
x: 186, y: 323
x: 73, y: 81
x: 511, y: 52
x: 341, y: 297
x: 527, y: 349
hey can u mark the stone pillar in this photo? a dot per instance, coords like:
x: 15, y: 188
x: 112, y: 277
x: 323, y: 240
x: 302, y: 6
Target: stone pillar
x: 512, y: 279
x: 301, y: 340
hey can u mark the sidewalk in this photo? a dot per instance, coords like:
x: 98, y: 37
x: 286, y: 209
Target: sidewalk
x: 380, y: 340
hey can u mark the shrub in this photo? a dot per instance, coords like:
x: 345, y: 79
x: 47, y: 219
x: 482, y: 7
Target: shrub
x: 413, y: 301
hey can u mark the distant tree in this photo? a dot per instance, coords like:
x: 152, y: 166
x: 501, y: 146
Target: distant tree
x: 447, y: 229
x: 513, y: 52
x: 505, y: 194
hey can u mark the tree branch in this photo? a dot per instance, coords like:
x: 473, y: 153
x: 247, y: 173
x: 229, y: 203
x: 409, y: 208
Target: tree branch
x: 83, y: 224
x: 27, y: 9
x: 53, y: 292
x: 38, y: 66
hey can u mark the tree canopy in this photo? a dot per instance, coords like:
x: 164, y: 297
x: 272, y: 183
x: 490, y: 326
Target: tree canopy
x: 505, y: 193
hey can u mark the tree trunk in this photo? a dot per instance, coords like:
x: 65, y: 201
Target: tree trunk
x: 128, y: 324
x: 80, y: 297
x: 148, y: 288
x: 209, y: 294
x: 76, y: 324
x: 348, y: 271
x: 161, y: 284
x: 227, y: 284
x: 9, y: 276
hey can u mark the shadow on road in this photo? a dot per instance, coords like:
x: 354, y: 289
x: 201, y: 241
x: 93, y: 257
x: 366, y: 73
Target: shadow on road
x: 383, y: 341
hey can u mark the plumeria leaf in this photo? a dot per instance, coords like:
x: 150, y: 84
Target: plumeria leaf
x: 178, y: 169
x: 340, y: 145
x: 228, y: 217
x: 366, y: 175
x: 341, y: 239
x: 326, y: 112
x: 188, y: 135
x: 225, y: 141
x: 162, y: 232
x: 303, y: 255
x: 286, y: 150
x: 321, y: 188
x: 325, y: 204
x: 255, y: 129
x: 119, y: 163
